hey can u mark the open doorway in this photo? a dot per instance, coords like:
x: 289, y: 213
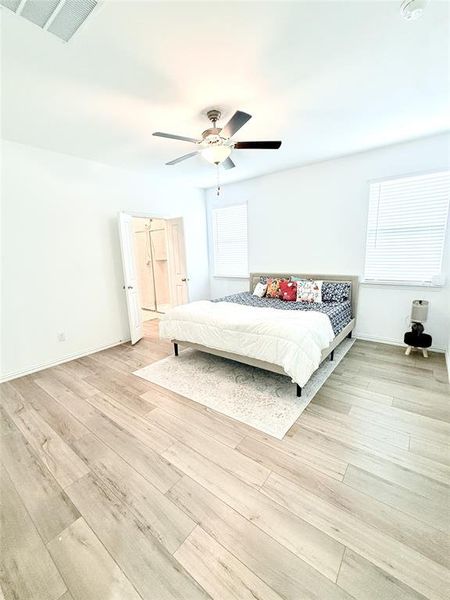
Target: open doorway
x: 152, y: 266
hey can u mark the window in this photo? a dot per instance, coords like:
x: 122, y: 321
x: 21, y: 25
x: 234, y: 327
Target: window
x: 230, y: 241
x: 406, y: 229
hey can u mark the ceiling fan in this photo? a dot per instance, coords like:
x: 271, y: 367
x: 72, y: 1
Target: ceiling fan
x: 216, y: 144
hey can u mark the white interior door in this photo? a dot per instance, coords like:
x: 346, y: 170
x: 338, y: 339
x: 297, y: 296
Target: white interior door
x: 177, y: 262
x: 126, y: 233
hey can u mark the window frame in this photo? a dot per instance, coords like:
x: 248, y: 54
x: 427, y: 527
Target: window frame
x: 215, y: 273
x: 405, y: 283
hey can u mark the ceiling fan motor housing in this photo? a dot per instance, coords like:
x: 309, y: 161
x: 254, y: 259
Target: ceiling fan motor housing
x: 212, y: 136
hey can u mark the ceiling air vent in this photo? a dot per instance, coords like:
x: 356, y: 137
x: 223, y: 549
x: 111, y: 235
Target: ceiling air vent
x: 11, y: 4
x: 39, y: 12
x: 60, y: 17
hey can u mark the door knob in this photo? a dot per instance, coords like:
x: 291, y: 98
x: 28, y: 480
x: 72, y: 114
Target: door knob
x: 185, y: 279
x: 130, y: 287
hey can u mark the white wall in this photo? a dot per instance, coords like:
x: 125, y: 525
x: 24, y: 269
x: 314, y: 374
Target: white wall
x: 447, y: 356
x: 61, y: 263
x: 313, y: 219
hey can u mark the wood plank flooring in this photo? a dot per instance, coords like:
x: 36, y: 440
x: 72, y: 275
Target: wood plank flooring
x: 114, y: 488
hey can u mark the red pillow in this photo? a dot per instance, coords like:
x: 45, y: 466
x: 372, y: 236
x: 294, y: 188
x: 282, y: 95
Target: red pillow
x: 288, y: 290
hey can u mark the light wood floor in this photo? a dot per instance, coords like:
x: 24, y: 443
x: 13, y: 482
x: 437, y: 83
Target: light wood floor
x: 115, y: 489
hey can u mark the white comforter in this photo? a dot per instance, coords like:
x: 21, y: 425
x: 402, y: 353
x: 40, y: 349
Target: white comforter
x: 291, y: 339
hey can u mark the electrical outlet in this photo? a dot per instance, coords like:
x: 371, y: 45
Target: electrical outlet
x: 61, y: 337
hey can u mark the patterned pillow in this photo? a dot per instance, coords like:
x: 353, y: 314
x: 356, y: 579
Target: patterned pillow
x: 335, y: 292
x: 288, y: 290
x: 273, y: 287
x: 309, y: 290
x: 260, y: 290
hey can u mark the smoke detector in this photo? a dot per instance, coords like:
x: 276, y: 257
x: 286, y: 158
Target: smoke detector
x: 60, y: 17
x: 411, y: 10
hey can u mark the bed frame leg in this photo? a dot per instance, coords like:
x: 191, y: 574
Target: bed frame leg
x: 332, y: 355
x: 175, y: 349
x: 349, y: 335
x: 299, y: 391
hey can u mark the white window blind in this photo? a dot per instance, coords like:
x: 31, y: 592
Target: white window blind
x: 230, y: 241
x: 406, y: 229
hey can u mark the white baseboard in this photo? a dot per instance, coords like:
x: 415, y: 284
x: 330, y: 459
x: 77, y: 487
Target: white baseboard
x: 390, y: 341
x: 67, y: 358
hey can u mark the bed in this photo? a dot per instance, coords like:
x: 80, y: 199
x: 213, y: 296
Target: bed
x: 290, y: 338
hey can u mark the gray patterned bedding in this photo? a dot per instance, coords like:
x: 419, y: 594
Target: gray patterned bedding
x: 339, y: 313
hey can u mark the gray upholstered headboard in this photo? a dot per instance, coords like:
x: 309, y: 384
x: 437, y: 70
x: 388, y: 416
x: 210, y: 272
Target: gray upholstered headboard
x: 351, y: 279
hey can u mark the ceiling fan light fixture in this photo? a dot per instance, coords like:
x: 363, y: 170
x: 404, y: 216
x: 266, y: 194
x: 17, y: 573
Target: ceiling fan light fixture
x: 216, y: 154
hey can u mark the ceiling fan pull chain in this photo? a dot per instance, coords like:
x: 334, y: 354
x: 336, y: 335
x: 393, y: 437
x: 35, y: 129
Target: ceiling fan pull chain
x: 218, y: 180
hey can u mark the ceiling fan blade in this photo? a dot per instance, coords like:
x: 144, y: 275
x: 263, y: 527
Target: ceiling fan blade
x: 228, y: 164
x: 181, y: 158
x: 235, y: 123
x: 175, y: 137
x: 257, y: 145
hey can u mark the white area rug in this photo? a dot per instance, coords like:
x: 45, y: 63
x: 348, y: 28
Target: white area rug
x: 263, y: 400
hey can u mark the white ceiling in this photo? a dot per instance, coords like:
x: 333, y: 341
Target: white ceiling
x: 327, y: 78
